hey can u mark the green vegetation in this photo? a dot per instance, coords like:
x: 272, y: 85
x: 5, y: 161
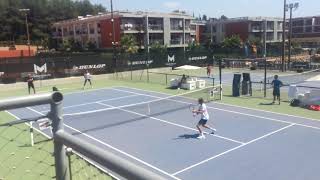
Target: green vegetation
x: 41, y: 16
x: 129, y: 44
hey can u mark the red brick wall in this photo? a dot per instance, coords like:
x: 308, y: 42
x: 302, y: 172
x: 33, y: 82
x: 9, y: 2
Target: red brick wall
x: 106, y: 32
x: 199, y: 33
x: 16, y: 53
x: 237, y: 28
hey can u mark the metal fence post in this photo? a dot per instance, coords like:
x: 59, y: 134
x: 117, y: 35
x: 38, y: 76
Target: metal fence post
x: 61, y: 161
x: 166, y: 79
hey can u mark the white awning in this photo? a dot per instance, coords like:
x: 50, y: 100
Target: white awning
x: 187, y: 67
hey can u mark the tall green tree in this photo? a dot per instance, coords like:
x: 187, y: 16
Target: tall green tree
x: 129, y: 44
x: 232, y: 42
x: 42, y: 14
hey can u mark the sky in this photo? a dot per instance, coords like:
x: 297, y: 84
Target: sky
x: 216, y: 8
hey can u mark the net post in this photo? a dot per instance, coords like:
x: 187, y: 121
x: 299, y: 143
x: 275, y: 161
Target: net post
x: 130, y: 68
x: 220, y: 92
x: 60, y: 156
x: 147, y: 72
x: 31, y: 134
x: 166, y: 79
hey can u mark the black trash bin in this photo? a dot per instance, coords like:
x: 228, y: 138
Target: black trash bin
x: 236, y: 85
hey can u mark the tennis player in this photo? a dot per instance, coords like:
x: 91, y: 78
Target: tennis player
x: 87, y: 77
x: 30, y: 83
x: 276, y: 83
x: 204, y: 118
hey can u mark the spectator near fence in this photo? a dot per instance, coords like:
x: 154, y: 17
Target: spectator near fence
x: 276, y: 83
x: 87, y: 77
x: 209, y: 68
x: 30, y: 83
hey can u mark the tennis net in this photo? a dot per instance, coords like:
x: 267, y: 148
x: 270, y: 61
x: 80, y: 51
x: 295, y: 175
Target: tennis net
x: 297, y: 78
x: 151, y: 105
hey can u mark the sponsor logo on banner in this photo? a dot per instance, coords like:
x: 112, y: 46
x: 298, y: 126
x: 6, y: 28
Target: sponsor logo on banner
x: 140, y: 62
x: 171, y: 61
x: 198, y: 58
x: 40, y: 69
x: 86, y: 67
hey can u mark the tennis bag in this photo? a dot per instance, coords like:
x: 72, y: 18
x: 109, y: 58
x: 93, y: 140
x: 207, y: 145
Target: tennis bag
x: 295, y: 102
x: 314, y: 107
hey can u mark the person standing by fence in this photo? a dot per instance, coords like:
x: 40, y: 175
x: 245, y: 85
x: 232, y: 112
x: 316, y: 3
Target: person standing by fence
x: 87, y: 77
x: 276, y: 84
x: 209, y: 68
x: 30, y: 83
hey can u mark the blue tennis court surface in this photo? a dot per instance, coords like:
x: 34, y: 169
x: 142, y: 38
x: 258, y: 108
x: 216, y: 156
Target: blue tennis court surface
x: 161, y: 136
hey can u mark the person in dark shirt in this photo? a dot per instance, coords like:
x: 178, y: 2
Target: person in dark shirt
x: 30, y: 83
x: 182, y: 81
x: 276, y: 84
x: 209, y: 68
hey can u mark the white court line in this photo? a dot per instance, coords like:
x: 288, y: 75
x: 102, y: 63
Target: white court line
x: 86, y: 159
x: 233, y: 149
x: 235, y: 112
x: 115, y: 149
x: 283, y: 114
x: 123, y: 106
x: 94, y: 102
x: 167, y: 122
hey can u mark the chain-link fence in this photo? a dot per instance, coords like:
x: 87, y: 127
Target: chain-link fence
x: 20, y: 160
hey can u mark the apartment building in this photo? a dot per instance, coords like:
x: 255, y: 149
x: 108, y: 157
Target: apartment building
x: 306, y: 31
x: 175, y: 30
x: 245, y: 27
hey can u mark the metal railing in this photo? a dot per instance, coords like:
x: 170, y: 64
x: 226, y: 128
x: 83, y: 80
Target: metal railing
x: 61, y: 139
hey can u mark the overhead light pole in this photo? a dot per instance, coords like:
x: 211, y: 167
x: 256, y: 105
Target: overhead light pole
x: 283, y: 36
x: 25, y: 11
x: 113, y: 38
x: 291, y: 6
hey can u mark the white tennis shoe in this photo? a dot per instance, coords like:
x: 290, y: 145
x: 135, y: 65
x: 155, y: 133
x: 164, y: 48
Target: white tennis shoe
x: 201, y: 136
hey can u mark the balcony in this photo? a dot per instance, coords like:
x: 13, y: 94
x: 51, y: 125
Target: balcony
x: 155, y: 27
x: 156, y: 41
x: 177, y: 28
x: 176, y: 42
x: 132, y: 28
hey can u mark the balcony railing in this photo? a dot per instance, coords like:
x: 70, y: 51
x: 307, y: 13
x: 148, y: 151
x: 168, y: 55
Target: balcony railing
x: 176, y: 28
x: 175, y: 41
x: 131, y: 27
x: 155, y: 27
x: 156, y: 41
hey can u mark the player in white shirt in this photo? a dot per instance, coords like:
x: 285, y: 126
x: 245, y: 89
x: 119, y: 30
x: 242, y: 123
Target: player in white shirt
x: 87, y: 77
x: 204, y: 118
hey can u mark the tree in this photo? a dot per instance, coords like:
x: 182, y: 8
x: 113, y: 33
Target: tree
x: 158, y: 48
x: 254, y: 41
x: 205, y: 17
x: 129, y: 44
x: 223, y: 17
x: 232, y: 42
x: 42, y: 14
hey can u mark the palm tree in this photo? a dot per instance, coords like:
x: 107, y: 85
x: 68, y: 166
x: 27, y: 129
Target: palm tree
x: 129, y: 44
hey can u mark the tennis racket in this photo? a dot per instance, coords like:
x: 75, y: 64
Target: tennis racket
x: 192, y: 108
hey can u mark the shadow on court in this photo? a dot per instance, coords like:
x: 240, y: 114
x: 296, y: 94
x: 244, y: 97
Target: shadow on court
x: 267, y: 104
x: 141, y: 117
x: 187, y: 136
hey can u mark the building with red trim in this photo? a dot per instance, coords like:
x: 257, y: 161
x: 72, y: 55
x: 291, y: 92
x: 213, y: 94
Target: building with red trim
x: 175, y: 30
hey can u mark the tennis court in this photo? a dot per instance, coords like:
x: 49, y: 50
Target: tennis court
x: 157, y: 131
